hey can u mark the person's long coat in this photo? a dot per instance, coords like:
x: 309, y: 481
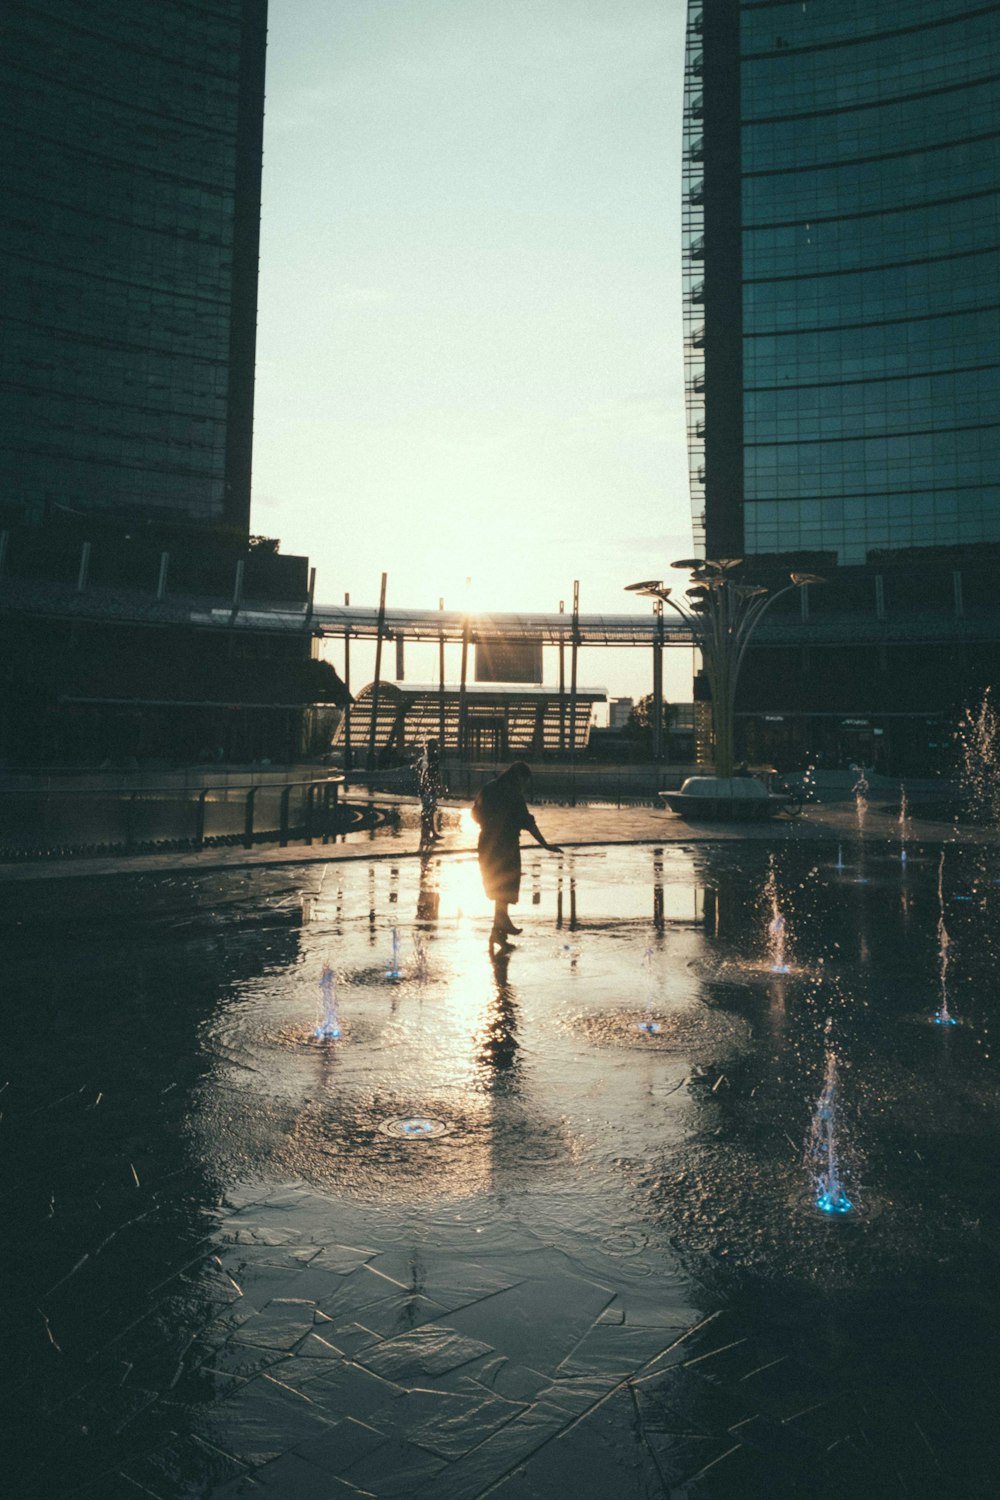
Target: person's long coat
x: 501, y: 812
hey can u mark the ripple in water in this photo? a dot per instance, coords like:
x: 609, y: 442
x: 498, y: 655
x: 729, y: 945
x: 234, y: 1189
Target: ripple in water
x: 353, y: 1144
x: 746, y: 972
x: 414, y: 1127
x: 675, y: 1031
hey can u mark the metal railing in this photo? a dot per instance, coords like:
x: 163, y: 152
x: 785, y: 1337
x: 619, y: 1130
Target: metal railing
x: 36, y: 821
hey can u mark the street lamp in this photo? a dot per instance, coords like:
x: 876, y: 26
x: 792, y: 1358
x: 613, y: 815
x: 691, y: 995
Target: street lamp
x: 722, y: 613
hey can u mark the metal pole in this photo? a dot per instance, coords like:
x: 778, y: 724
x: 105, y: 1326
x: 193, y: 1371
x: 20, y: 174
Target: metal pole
x: 574, y: 647
x: 347, y: 686
x: 81, y: 577
x: 248, y: 818
x: 657, y: 714
x: 238, y: 585
x: 161, y: 582
x: 312, y: 596
x: 562, y: 685
x: 379, y: 629
x: 441, y: 742
x: 462, y: 709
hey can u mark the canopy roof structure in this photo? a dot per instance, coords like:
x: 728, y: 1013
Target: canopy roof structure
x: 362, y: 621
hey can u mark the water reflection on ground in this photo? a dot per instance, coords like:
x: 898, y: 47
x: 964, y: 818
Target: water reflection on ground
x: 532, y: 1227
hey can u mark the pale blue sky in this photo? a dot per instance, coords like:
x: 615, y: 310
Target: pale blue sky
x: 469, y: 348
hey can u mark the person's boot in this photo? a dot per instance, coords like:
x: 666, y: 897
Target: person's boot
x: 498, y: 941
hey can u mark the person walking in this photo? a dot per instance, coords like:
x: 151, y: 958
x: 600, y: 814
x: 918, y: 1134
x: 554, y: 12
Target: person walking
x: 501, y: 812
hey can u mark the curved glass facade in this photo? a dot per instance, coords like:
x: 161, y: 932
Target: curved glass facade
x: 131, y: 186
x: 869, y: 227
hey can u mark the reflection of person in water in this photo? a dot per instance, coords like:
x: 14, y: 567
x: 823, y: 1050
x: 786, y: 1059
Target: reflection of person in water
x: 501, y: 812
x: 498, y: 1046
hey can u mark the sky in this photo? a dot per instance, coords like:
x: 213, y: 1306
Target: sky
x: 469, y: 357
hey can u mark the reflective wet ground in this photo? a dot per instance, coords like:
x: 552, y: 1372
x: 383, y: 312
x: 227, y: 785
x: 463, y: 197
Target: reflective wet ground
x: 534, y: 1228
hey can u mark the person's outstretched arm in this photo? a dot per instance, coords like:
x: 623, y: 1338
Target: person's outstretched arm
x: 532, y: 827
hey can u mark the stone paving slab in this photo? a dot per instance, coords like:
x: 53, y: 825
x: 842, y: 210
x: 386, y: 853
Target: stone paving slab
x: 309, y: 1363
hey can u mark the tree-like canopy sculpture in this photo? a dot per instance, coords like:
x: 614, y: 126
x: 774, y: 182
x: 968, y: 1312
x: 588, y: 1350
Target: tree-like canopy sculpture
x: 723, y: 612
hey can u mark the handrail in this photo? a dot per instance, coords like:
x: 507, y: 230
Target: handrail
x: 126, y: 789
x: 44, y: 819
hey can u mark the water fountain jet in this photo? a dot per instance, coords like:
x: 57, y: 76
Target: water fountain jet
x: 943, y: 1016
x: 647, y: 1024
x: 776, y: 929
x: 420, y: 967
x: 328, y: 1029
x: 978, y: 737
x: 394, y: 971
x: 860, y: 790
x: 821, y: 1153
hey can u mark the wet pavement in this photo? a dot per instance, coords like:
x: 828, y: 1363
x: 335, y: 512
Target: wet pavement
x: 834, y: 817
x: 527, y: 1229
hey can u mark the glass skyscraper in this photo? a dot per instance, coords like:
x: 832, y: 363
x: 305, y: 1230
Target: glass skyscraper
x: 842, y: 265
x: 131, y: 167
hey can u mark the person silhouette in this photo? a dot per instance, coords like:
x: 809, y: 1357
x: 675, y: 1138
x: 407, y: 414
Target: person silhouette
x: 501, y: 812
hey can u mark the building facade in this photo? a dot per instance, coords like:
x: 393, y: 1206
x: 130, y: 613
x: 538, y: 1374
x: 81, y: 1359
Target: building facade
x: 128, y: 247
x: 842, y: 304
x: 139, y: 621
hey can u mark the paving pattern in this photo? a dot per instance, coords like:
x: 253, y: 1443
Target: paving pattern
x: 832, y: 818
x: 338, y: 1370
x: 180, y: 1334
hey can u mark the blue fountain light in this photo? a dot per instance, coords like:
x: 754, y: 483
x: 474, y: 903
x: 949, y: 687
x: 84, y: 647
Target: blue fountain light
x: 827, y: 1203
x: 413, y: 1127
x: 395, y: 972
x: 649, y: 1027
x: 942, y: 1018
x: 821, y: 1150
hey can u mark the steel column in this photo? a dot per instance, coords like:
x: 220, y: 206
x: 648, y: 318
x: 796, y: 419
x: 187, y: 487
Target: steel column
x: 376, y: 682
